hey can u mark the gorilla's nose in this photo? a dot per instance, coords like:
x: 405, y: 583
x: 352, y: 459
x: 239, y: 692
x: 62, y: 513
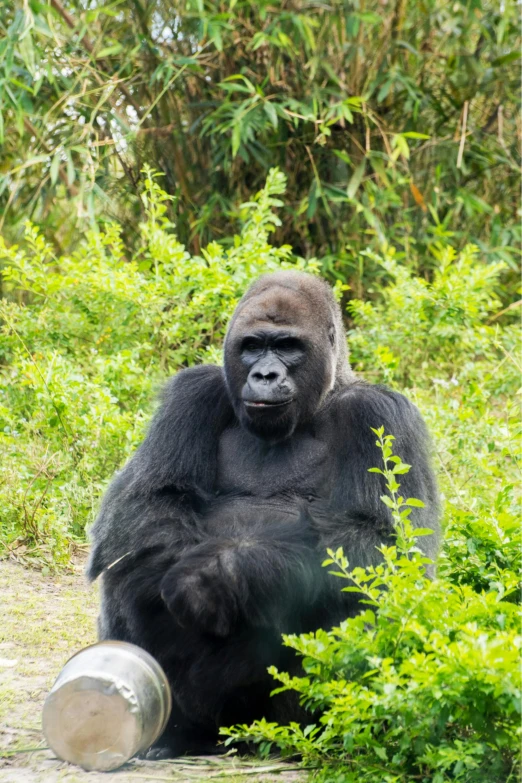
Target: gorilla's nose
x: 266, y: 375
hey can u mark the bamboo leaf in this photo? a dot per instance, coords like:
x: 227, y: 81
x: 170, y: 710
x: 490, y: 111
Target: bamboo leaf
x: 236, y: 139
x: 269, y: 109
x: 356, y: 179
x: 109, y: 50
x: 55, y: 165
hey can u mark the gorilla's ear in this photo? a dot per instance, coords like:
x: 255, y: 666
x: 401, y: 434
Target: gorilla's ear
x: 331, y: 335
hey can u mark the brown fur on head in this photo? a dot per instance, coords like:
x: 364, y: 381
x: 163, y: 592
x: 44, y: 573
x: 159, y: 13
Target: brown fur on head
x: 323, y: 310
x: 304, y: 307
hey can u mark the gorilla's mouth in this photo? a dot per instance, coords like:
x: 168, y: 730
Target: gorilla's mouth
x: 260, y: 404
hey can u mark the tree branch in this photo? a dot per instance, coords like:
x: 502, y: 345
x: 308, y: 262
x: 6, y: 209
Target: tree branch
x: 86, y: 43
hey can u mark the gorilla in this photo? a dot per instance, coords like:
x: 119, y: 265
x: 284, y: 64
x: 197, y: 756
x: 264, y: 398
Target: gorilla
x: 210, y: 540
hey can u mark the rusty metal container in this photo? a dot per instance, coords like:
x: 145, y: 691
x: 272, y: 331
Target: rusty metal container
x: 109, y: 702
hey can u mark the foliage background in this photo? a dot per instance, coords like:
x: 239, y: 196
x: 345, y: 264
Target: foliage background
x: 395, y: 130
x: 395, y: 122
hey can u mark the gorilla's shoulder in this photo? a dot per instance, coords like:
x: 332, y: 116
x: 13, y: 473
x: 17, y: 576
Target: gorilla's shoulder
x: 194, y: 401
x: 180, y: 446
x: 193, y: 386
x: 203, y: 377
x: 376, y: 405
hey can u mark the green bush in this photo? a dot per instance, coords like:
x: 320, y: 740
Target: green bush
x: 396, y: 121
x: 87, y: 339
x: 424, y: 685
x: 421, y: 688
x: 420, y: 328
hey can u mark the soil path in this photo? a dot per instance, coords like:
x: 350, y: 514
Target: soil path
x: 43, y: 621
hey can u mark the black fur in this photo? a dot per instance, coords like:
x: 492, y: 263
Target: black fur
x: 210, y: 540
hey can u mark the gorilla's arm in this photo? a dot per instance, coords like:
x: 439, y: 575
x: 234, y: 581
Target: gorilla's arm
x: 266, y: 576
x: 151, y: 505
x: 360, y: 521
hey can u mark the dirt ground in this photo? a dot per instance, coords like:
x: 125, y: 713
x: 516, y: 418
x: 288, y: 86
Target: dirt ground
x: 43, y: 621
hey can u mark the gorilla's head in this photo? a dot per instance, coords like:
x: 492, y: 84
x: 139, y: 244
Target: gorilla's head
x: 285, y: 350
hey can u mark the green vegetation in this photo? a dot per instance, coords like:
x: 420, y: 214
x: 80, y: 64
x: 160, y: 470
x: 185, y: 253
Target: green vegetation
x: 87, y: 339
x: 394, y: 122
x: 422, y: 685
x: 393, y: 127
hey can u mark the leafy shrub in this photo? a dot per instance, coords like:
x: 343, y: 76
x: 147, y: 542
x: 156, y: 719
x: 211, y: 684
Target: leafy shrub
x: 423, y: 328
x: 424, y: 685
x: 421, y: 686
x: 87, y: 338
x: 396, y: 122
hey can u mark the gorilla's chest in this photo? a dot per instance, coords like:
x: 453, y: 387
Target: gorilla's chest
x: 250, y: 466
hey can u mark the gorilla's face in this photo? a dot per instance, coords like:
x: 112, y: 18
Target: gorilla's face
x: 278, y: 367
x: 272, y: 359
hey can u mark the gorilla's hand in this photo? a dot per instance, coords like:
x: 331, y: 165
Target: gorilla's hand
x: 205, y: 588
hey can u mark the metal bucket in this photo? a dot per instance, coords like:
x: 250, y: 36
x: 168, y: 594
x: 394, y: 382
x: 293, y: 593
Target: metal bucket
x: 110, y: 701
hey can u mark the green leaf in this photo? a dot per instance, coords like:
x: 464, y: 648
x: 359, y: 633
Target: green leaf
x: 401, y: 468
x: 312, y: 200
x: 384, y: 90
x: 55, y: 165
x: 415, y: 135
x: 342, y: 155
x: 236, y: 139
x: 400, y: 146
x: 109, y: 50
x: 71, y: 173
x: 269, y: 109
x: 414, y: 502
x: 506, y: 58
x: 356, y: 179
x: 235, y: 88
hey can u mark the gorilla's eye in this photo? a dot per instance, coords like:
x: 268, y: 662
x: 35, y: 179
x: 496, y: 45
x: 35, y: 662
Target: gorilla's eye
x: 288, y: 345
x: 250, y: 345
